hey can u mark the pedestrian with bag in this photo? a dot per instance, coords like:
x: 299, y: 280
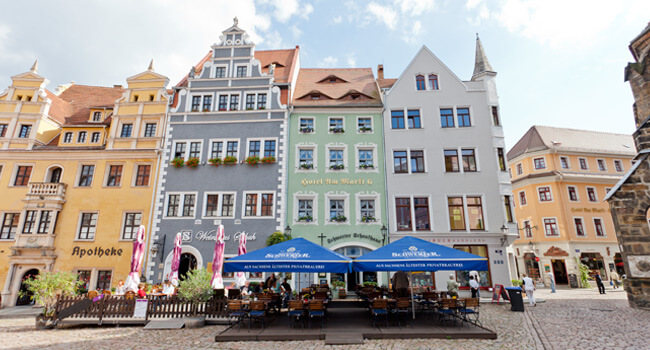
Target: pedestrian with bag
x: 599, y: 283
x: 529, y: 287
x: 473, y: 286
x: 615, y: 278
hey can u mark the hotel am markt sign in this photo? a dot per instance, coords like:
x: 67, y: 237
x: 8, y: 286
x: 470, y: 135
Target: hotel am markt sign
x: 329, y: 181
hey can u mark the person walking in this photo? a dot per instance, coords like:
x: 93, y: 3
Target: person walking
x: 473, y: 286
x: 552, y: 281
x: 615, y: 278
x: 599, y: 283
x: 400, y: 284
x: 452, y: 286
x: 529, y: 287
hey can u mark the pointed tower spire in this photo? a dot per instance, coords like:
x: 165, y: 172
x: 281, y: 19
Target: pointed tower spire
x: 481, y: 63
x: 34, y: 68
x: 150, y: 66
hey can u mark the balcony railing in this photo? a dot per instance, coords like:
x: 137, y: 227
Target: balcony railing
x: 46, y: 189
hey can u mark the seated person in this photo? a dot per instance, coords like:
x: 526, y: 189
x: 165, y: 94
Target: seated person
x: 141, y: 291
x: 245, y: 289
x: 120, y: 289
x: 168, y: 288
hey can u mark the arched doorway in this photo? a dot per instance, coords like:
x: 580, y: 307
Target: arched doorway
x: 532, y: 267
x: 54, y: 174
x: 24, y: 295
x: 353, y: 279
x: 187, y: 263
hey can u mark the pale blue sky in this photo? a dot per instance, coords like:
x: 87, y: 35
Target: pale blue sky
x: 559, y: 63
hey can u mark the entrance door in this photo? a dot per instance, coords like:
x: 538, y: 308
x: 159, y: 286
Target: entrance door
x: 25, y: 296
x: 55, y: 177
x: 559, y: 272
x: 188, y: 262
x: 352, y: 281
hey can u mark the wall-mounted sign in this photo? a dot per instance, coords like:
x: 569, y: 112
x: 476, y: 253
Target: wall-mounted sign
x: 589, y: 210
x: 186, y: 236
x: 211, y: 235
x: 355, y: 236
x: 97, y: 251
x: 456, y: 240
x: 343, y: 181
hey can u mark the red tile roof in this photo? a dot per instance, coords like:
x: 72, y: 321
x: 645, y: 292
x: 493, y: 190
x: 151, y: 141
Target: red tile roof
x: 349, y: 83
x: 83, y: 97
x: 385, y: 83
x: 59, y: 108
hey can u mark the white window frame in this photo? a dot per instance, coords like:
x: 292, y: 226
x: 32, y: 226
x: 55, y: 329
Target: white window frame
x: 602, y: 225
x: 220, y: 205
x: 519, y: 169
x: 550, y: 190
x: 368, y: 195
x: 426, y: 82
x: 78, y: 176
x: 21, y: 221
x: 543, y: 160
x: 237, y: 65
x: 256, y: 93
x: 225, y: 147
x: 335, y: 147
x: 472, y: 122
x: 187, y: 142
x: 586, y: 164
x: 367, y: 146
x: 524, y: 229
x: 568, y: 162
x: 372, y: 124
x: 466, y: 212
x: 71, y: 137
x: 144, y: 128
x: 336, y: 117
x: 258, y: 209
x: 78, y: 230
x: 123, y: 226
x: 19, y: 127
x: 621, y: 164
x: 180, y: 205
x: 460, y: 159
x: 225, y: 71
x: 519, y: 197
x: 406, y: 118
x: 313, y: 122
x: 575, y: 229
x: 313, y: 196
x: 411, y: 198
x: 604, y: 162
x: 262, y: 146
x: 119, y: 131
x: 314, y: 148
x: 557, y: 226
x: 92, y: 117
x: 337, y: 195
x: 99, y: 139
x: 595, y: 194
x: 569, y: 195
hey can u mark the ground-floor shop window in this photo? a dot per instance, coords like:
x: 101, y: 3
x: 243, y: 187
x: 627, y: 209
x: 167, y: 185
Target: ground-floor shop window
x: 104, y: 280
x: 84, y: 277
x: 485, y: 280
x: 594, y: 262
x: 532, y: 266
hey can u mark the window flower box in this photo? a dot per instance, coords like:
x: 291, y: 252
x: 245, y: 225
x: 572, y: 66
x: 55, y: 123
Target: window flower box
x: 268, y: 160
x: 222, y: 109
x: 215, y: 161
x: 178, y: 162
x: 368, y: 219
x: 249, y: 108
x: 339, y: 218
x: 337, y: 130
x: 195, y: 109
x: 230, y: 160
x: 365, y: 129
x: 366, y: 166
x: 192, y: 162
x: 252, y: 160
x: 306, y: 218
x: 306, y: 166
x: 206, y: 109
x: 306, y: 130
x: 337, y: 167
x: 261, y: 107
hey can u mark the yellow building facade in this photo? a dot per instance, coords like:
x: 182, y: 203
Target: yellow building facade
x: 77, y: 176
x: 560, y: 178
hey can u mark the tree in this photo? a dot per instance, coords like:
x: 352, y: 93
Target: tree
x: 277, y: 237
x: 196, y: 288
x: 48, y: 285
x: 584, y: 274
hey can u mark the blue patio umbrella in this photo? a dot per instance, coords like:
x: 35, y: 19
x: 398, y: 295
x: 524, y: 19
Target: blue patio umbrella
x: 296, y: 255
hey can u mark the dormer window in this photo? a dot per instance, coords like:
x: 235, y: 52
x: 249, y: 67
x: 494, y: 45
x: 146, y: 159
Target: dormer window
x: 135, y: 98
x: 67, y: 137
x: 97, y: 116
x: 28, y: 98
x: 152, y: 97
x: 19, y: 97
x: 332, y: 80
x: 81, y: 138
x: 315, y: 96
x: 355, y: 96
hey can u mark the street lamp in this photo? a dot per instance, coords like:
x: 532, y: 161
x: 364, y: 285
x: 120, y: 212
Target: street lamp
x: 531, y: 246
x: 384, y: 233
x: 159, y: 245
x: 287, y: 231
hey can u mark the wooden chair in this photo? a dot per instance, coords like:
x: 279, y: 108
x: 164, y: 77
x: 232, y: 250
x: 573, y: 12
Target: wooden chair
x: 129, y: 295
x: 236, y: 312
x: 296, y: 311
x: 258, y: 311
x: 379, y: 308
x: 316, y: 309
x: 402, y: 308
x: 470, y: 312
x: 234, y: 293
x: 219, y: 293
x: 447, y: 310
x: 92, y: 294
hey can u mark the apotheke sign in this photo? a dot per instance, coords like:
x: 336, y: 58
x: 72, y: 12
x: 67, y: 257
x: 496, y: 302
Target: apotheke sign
x: 211, y: 235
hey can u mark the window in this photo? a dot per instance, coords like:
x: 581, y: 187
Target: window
x: 591, y: 194
x: 539, y: 163
x: 601, y: 164
x: 528, y: 231
x: 564, y: 162
x: 227, y: 204
x: 463, y: 117
x: 254, y: 148
x: 9, y: 225
x: 207, y: 103
x: 367, y: 210
x: 126, y: 130
x: 195, y: 150
x: 132, y: 223
x: 502, y: 159
x: 456, y: 213
x: 417, y: 161
x: 305, y: 209
x: 234, y: 102
x: 25, y: 130
x: 336, y: 125
x: 104, y: 280
x: 475, y: 213
x: 142, y: 177
x: 3, y: 130
x: 216, y: 150
x: 211, y: 205
x: 508, y: 206
x: 250, y: 101
x: 544, y: 194
x: 598, y: 224
x: 446, y: 117
x: 87, y: 226
x: 114, y: 176
x: 196, y: 103
x: 414, y: 119
x: 403, y: 213
x: 185, y: 201
x: 522, y: 198
x: 22, y: 176
x: 550, y: 227
x: 580, y: 230
x: 84, y: 276
x: 30, y: 221
x: 223, y: 102
x: 364, y: 124
x: 469, y: 160
x: 220, y: 72
x: 484, y: 276
x: 336, y: 159
x: 400, y: 162
x: 618, y: 165
x: 337, y: 209
x: 86, y: 176
x: 573, y: 193
x: 520, y: 169
x: 44, y: 222
x: 583, y: 164
x: 422, y: 222
x: 397, y: 119
x: 433, y: 82
x: 495, y: 116
x: 269, y: 148
x: 67, y: 137
x: 306, y: 125
x: 81, y: 137
x: 451, y: 161
x: 179, y: 150
x: 251, y: 205
x: 241, y: 71
x: 261, y: 101
x: 231, y: 148
x: 306, y: 158
x: 419, y: 82
x: 95, y: 137
x: 150, y: 130
x: 267, y: 204
x: 188, y: 205
x: 366, y: 159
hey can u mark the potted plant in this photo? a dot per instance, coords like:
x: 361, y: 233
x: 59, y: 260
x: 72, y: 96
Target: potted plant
x: 336, y: 167
x: 195, y: 109
x: 338, y: 286
x: 206, y: 109
x: 306, y: 166
x: 195, y: 289
x: 366, y: 166
x: 306, y: 129
x: 365, y: 129
x: 192, y: 162
x: 339, y: 218
x: 268, y: 160
x: 230, y: 160
x: 253, y: 160
x: 45, y: 289
x: 337, y: 130
x: 178, y: 162
x: 368, y: 218
x: 215, y: 161
x: 306, y: 218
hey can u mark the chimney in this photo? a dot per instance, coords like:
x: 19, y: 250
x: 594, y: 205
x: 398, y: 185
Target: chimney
x: 117, y: 86
x: 380, y: 71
